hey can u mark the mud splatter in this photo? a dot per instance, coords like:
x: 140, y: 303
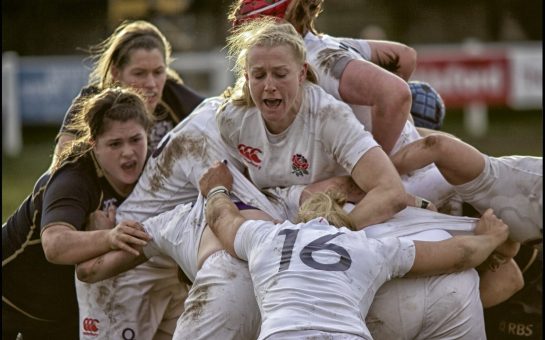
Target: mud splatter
x: 198, y: 304
x: 327, y: 59
x: 182, y: 146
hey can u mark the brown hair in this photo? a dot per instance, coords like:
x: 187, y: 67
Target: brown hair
x: 94, y: 114
x: 115, y: 50
x: 262, y: 32
x: 328, y: 205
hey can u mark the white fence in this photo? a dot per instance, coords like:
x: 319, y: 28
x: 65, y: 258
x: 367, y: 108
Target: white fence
x: 38, y: 90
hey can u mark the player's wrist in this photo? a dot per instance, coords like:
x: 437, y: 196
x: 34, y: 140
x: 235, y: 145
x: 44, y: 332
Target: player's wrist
x: 420, y: 202
x: 220, y: 189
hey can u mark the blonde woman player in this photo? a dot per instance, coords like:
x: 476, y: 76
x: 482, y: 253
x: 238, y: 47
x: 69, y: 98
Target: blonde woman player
x: 316, y: 279
x: 288, y: 131
x: 347, y: 69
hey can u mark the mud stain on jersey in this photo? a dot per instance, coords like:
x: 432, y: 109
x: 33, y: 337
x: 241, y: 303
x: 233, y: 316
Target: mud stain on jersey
x: 328, y: 58
x: 197, y: 306
x: 103, y: 295
x: 182, y: 146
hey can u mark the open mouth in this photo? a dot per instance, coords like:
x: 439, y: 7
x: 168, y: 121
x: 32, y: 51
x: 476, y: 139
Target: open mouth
x: 272, y: 103
x: 127, y: 166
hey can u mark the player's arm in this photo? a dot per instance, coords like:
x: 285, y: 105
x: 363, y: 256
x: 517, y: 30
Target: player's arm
x: 353, y: 192
x: 108, y: 265
x: 395, y: 57
x: 375, y: 174
x: 64, y: 245
x: 457, y: 161
x: 496, y: 286
x: 344, y: 184
x: 460, y: 252
x: 222, y: 215
x: 364, y: 83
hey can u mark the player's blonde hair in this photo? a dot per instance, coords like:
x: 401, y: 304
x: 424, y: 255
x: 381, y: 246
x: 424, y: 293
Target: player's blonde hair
x: 302, y: 14
x: 116, y: 50
x: 328, y: 205
x: 263, y: 32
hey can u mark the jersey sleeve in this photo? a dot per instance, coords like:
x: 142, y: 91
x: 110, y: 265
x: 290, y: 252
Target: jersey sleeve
x: 349, y: 146
x: 250, y: 235
x: 398, y: 255
x: 69, y: 199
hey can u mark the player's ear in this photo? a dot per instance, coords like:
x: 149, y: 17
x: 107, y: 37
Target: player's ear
x: 114, y: 72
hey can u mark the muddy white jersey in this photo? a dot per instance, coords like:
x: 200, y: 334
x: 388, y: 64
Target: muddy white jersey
x: 513, y: 187
x: 328, y: 56
x: 172, y: 173
x: 177, y: 232
x: 324, y: 140
x: 315, y: 276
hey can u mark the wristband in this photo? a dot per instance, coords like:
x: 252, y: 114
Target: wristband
x: 421, y: 202
x: 217, y: 190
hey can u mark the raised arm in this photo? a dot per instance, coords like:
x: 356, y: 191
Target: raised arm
x: 460, y: 252
x: 222, y: 215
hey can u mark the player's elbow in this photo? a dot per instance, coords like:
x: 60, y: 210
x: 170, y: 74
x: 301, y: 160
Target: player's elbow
x: 50, y: 247
x: 407, y: 59
x: 396, y: 101
x: 85, y: 273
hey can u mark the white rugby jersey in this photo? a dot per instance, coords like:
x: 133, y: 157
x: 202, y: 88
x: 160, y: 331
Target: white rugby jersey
x: 328, y: 56
x: 324, y: 140
x: 316, y: 276
x: 177, y: 232
x: 513, y: 187
x: 172, y: 172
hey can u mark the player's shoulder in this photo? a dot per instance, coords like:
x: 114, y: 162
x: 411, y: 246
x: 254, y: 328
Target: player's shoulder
x: 322, y: 103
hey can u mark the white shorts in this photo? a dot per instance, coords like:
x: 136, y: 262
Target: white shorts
x: 437, y: 307
x: 513, y: 187
x: 314, y: 335
x: 221, y: 303
x: 142, y: 303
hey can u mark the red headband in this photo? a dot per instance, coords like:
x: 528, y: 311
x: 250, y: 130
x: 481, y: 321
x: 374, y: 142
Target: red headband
x: 251, y: 9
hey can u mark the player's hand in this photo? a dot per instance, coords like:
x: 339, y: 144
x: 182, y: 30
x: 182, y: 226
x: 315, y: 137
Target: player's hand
x: 101, y: 220
x: 490, y: 224
x: 217, y: 175
x: 128, y: 235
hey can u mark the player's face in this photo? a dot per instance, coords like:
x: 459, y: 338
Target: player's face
x: 275, y: 77
x: 146, y: 72
x: 121, y: 153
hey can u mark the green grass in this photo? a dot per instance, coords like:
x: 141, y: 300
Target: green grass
x: 20, y: 173
x: 510, y: 133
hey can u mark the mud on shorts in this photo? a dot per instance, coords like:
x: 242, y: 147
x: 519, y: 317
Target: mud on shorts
x: 221, y: 303
x: 142, y: 303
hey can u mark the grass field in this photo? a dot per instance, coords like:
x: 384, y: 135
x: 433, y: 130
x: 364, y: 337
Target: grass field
x: 510, y: 133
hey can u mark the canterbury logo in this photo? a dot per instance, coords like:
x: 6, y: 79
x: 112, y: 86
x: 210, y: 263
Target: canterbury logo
x: 250, y: 154
x: 90, y: 326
